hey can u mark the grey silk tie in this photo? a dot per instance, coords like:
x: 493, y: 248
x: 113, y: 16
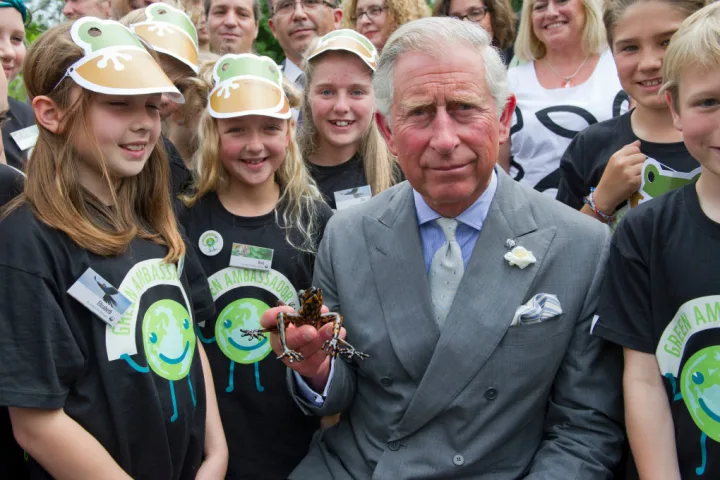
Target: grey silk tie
x: 446, y: 271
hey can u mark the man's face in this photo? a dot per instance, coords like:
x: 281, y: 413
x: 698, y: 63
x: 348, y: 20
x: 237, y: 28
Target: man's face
x: 232, y: 26
x: 75, y: 9
x: 445, y: 131
x: 295, y: 24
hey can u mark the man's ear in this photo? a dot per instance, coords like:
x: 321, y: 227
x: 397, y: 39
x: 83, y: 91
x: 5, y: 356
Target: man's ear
x: 271, y: 24
x: 47, y: 113
x: 337, y: 17
x: 677, y: 121
x: 506, y: 119
x: 386, y: 132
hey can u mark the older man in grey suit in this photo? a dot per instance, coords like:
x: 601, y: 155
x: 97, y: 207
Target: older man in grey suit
x: 473, y: 296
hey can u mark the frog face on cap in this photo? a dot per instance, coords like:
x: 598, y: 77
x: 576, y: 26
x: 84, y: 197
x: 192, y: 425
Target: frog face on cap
x: 115, y: 62
x: 349, y: 41
x: 656, y: 181
x: 170, y: 31
x: 247, y: 84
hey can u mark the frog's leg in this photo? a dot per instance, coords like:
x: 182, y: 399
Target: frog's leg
x: 703, y: 449
x: 133, y: 364
x: 259, y: 387
x: 673, y: 383
x: 349, y: 352
x: 231, y: 380
x: 292, y: 355
x: 192, y: 392
x: 174, y: 401
x: 332, y: 346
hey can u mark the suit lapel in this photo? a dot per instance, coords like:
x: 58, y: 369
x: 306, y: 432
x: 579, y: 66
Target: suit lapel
x: 484, y: 305
x: 396, y: 259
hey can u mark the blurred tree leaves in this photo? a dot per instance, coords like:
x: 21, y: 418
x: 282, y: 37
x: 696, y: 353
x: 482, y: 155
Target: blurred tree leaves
x: 265, y: 43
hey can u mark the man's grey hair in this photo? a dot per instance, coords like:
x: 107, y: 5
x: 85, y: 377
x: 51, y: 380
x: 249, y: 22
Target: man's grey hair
x: 434, y: 36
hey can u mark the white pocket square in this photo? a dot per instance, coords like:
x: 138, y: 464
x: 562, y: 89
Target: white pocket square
x: 538, y: 309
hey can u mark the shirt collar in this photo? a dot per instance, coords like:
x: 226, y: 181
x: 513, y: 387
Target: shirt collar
x: 292, y: 71
x: 474, y: 216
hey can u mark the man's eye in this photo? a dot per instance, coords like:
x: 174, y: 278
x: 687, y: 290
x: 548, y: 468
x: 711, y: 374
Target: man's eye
x: 709, y: 102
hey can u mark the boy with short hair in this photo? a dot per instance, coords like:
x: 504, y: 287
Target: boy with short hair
x: 661, y: 296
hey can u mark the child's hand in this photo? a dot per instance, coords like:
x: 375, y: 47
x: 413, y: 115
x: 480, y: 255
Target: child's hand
x: 621, y: 179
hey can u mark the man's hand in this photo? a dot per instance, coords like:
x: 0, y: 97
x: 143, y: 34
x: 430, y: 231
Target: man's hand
x: 622, y: 178
x: 306, y: 340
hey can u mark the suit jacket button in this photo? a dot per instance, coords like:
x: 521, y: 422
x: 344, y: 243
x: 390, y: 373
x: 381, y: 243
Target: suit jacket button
x: 386, y: 381
x: 394, y: 445
x: 459, y: 460
x: 491, y: 394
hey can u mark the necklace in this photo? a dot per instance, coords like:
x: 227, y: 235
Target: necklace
x: 567, y: 81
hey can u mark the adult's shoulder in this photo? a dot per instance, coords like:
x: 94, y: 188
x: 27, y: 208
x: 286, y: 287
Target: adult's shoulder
x: 350, y: 220
x: 571, y: 226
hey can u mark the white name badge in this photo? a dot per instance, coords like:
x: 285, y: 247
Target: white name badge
x: 250, y: 256
x: 26, y: 137
x: 352, y: 196
x: 100, y: 297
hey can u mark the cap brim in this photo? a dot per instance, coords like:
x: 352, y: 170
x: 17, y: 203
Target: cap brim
x: 239, y: 97
x: 173, y: 42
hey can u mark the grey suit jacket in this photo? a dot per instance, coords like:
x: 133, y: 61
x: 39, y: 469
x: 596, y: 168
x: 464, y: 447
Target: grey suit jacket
x: 478, y: 399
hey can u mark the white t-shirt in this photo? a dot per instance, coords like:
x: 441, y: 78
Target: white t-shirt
x: 545, y: 121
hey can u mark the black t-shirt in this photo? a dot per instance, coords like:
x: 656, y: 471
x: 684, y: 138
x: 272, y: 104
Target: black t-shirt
x: 20, y: 116
x: 180, y: 176
x: 267, y: 433
x: 584, y: 161
x: 340, y: 177
x: 660, y: 296
x: 133, y: 387
x: 11, y: 183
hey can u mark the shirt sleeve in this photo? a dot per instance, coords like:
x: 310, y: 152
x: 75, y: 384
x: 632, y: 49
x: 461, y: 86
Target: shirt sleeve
x: 625, y: 311
x: 572, y: 186
x: 311, y: 395
x: 40, y: 358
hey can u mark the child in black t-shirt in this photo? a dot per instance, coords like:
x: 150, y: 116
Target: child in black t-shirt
x: 339, y: 139
x: 614, y: 165
x: 661, y: 298
x: 99, y: 361
x: 255, y: 218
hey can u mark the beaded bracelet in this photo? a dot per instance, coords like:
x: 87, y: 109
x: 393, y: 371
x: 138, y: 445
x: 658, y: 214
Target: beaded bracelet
x: 591, y: 202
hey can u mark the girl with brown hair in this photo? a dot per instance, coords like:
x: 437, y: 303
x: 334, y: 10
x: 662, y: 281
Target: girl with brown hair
x: 256, y: 220
x: 339, y: 139
x: 101, y: 369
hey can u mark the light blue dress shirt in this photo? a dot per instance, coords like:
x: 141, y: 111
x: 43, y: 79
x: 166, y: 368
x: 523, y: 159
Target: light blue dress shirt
x: 470, y: 222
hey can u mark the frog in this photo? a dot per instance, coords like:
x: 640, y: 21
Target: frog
x: 309, y: 313
x: 656, y: 181
x: 164, y: 13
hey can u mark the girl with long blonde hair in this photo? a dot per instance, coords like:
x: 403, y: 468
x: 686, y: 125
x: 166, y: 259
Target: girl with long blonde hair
x: 256, y: 219
x: 339, y: 139
x: 101, y: 369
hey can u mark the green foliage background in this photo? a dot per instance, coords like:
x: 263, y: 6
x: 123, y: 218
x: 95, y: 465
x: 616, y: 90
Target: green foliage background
x: 47, y: 14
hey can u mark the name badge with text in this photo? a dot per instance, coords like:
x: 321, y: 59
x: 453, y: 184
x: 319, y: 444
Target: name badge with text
x: 100, y: 297
x: 250, y: 256
x: 25, y: 138
x: 352, y: 196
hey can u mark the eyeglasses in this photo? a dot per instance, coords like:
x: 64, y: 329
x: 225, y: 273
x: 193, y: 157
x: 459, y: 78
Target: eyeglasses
x: 286, y: 7
x: 475, y: 14
x: 371, y: 12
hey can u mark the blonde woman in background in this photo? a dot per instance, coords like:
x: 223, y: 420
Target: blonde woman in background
x: 568, y: 83
x: 378, y: 19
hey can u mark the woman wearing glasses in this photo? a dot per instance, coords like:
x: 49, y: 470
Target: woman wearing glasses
x: 378, y: 19
x: 495, y: 16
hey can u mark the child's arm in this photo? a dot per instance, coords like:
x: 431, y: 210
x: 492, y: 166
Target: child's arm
x: 63, y: 448
x: 216, y: 452
x: 648, y: 418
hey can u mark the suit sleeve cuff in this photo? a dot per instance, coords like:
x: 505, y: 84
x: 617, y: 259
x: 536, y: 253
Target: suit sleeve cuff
x: 310, y: 395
